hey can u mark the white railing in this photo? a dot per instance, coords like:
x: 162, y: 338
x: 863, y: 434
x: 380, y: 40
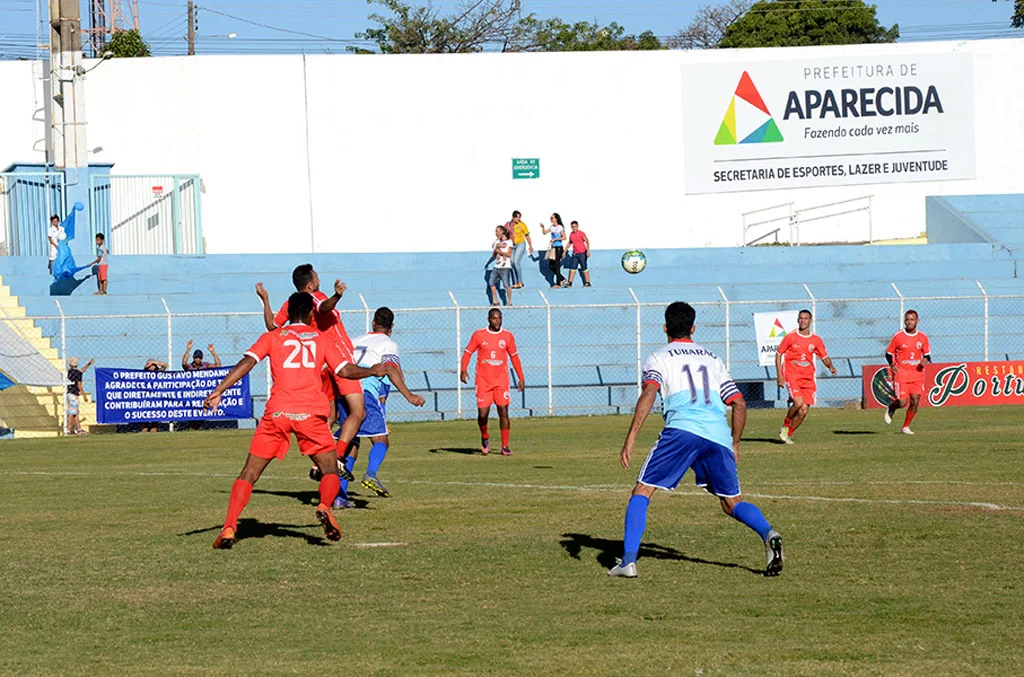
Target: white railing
x: 785, y: 218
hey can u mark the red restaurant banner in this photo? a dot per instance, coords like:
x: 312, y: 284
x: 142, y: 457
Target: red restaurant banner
x: 953, y: 384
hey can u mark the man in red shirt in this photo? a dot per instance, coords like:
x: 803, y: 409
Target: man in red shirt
x: 298, y: 353
x: 580, y: 244
x: 794, y: 365
x: 328, y: 321
x: 495, y: 346
x: 907, y: 354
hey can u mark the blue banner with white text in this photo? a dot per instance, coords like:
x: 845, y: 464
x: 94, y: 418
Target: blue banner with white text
x: 139, y: 396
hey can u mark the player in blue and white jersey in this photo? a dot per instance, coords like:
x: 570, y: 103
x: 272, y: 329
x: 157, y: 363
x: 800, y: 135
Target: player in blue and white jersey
x: 377, y: 347
x: 695, y: 389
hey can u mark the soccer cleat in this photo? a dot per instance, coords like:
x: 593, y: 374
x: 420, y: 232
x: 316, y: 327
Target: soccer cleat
x: 784, y: 435
x: 773, y: 553
x: 485, y: 445
x: 374, y: 485
x: 343, y: 472
x: 331, y: 528
x: 888, y: 416
x: 907, y: 431
x: 225, y: 539
x: 315, y: 474
x: 342, y: 503
x: 627, y: 571
x: 505, y: 451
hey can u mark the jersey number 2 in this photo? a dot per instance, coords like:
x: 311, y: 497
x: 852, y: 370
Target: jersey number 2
x: 703, y: 369
x: 308, y: 351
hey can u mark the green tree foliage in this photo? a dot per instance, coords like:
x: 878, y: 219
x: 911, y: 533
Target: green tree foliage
x: 126, y: 44
x: 789, y: 23
x: 709, y: 25
x: 1017, y: 20
x: 478, y: 24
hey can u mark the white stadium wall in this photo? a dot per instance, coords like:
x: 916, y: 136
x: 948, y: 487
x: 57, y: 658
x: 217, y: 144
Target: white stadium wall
x: 413, y: 153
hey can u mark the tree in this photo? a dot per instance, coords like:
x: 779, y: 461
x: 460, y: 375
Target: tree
x: 554, y: 35
x: 477, y: 24
x: 1017, y: 20
x: 126, y: 44
x: 790, y: 23
x: 709, y: 25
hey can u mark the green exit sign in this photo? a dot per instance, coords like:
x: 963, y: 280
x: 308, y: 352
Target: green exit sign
x: 525, y: 168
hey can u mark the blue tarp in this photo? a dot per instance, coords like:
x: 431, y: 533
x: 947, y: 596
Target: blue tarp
x: 5, y: 382
x: 64, y: 265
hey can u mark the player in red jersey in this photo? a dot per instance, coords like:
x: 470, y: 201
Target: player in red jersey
x: 328, y: 321
x: 298, y: 353
x: 495, y: 345
x: 794, y: 365
x: 907, y: 354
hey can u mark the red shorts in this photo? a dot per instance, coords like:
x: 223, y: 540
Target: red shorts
x: 804, y: 388
x: 273, y: 435
x: 335, y: 387
x: 909, y: 383
x: 101, y: 273
x: 486, y: 395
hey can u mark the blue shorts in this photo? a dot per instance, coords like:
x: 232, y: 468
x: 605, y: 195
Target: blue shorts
x: 676, y: 451
x: 374, y: 424
x: 576, y: 261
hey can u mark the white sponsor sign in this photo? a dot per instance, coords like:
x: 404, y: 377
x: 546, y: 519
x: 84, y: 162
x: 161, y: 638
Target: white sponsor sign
x: 770, y: 328
x: 760, y: 125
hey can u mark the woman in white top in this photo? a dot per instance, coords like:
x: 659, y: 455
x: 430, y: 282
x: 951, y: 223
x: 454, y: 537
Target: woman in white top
x: 556, y: 248
x: 502, y: 252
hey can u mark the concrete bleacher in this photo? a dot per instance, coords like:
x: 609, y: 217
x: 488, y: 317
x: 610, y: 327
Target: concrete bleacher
x: 594, y: 349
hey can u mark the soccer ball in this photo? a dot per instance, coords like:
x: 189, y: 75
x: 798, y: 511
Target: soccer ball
x: 634, y: 261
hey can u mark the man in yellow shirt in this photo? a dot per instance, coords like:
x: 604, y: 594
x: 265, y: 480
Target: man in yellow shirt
x: 520, y: 241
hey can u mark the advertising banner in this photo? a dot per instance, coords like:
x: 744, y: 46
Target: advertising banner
x: 954, y: 384
x: 138, y: 396
x: 765, y: 125
x: 770, y: 329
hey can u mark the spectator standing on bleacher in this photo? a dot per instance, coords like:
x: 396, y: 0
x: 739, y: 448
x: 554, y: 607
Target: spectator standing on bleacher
x: 501, y: 251
x: 54, y: 235
x: 580, y: 245
x: 101, y: 265
x: 555, y: 249
x: 75, y: 389
x: 197, y: 359
x: 520, y: 234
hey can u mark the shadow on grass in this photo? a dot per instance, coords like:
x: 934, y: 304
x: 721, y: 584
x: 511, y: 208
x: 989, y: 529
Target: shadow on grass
x: 456, y: 450
x: 312, y: 497
x: 766, y: 440
x: 251, y: 528
x: 544, y: 467
x: 854, y: 432
x: 608, y: 550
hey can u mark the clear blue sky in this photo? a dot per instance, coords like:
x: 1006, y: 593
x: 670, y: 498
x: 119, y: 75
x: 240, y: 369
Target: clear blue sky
x: 163, y: 21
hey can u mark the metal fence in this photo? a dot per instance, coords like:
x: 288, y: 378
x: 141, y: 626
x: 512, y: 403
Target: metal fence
x: 27, y: 199
x: 148, y: 214
x: 841, y: 221
x: 578, y: 359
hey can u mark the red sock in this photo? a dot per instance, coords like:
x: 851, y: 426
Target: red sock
x: 909, y: 418
x: 240, y: 493
x: 787, y: 422
x: 341, y: 448
x: 330, y: 485
x: 483, y: 432
x: 504, y: 437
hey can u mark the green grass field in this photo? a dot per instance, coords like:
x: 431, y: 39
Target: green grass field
x: 903, y: 556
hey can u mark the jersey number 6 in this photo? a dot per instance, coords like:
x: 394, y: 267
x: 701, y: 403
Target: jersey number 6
x: 308, y: 350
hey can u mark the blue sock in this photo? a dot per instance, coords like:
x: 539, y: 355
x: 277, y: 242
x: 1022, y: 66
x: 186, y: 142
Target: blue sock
x: 750, y: 514
x: 377, y: 453
x: 350, y: 462
x: 636, y: 522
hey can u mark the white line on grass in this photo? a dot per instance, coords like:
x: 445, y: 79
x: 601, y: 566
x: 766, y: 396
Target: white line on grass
x: 618, y: 488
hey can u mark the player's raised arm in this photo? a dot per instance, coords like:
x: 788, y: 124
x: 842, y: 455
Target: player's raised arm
x: 330, y: 302
x: 644, y: 404
x: 268, y: 314
x: 243, y: 367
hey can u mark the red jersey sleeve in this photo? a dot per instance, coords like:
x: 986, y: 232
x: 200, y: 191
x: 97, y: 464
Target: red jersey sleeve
x: 927, y: 346
x: 474, y: 343
x: 891, y: 349
x: 513, y: 353
x: 261, y: 348
x: 281, y: 318
x: 786, y: 342
x: 822, y: 350
x: 334, y: 357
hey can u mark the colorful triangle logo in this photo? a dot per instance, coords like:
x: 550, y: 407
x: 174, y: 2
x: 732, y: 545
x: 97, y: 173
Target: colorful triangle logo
x: 781, y: 330
x: 747, y: 120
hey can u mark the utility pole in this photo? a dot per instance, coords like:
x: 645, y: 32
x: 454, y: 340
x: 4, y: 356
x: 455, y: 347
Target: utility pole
x: 191, y: 28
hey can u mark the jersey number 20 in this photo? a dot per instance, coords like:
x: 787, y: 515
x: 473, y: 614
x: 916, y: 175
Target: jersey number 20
x: 307, y: 350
